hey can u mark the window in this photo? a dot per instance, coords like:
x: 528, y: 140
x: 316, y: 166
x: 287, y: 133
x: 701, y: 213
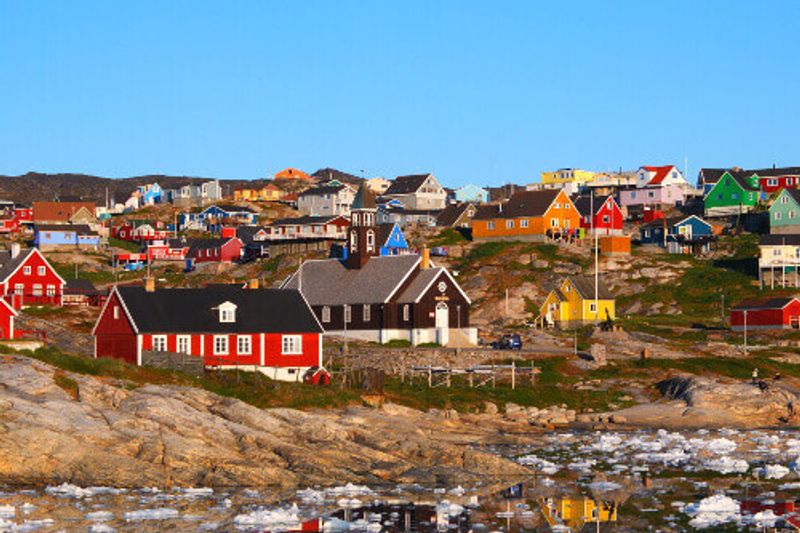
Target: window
x: 592, y: 307
x: 791, y: 214
x: 51, y: 290
x: 370, y: 240
x: 116, y: 312
x: 750, y: 197
x: 509, y: 224
x: 490, y: 225
x: 19, y: 288
x: 292, y: 345
x: 789, y: 181
x: 523, y: 223
x: 646, y: 233
x: 353, y: 241
x: 606, y: 219
x: 244, y: 344
x: 347, y: 314
x: 568, y: 288
x: 735, y: 196
x: 772, y: 182
x: 556, y: 205
x: 776, y: 252
x: 719, y: 196
x: 651, y: 194
x: 784, y: 199
x: 227, y: 312
x: 777, y: 216
x: 37, y: 290
x: 40, y: 270
x: 553, y: 222
x: 220, y: 345
x: 184, y: 343
x: 326, y: 314
x: 406, y: 313
x: 26, y: 270
x: 365, y: 313
x: 159, y: 343
x: 633, y: 195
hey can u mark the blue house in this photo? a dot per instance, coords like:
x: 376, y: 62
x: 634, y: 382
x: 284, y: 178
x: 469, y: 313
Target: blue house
x: 391, y: 239
x: 151, y: 193
x: 80, y: 235
x: 687, y: 235
x: 214, y: 217
x: 471, y: 194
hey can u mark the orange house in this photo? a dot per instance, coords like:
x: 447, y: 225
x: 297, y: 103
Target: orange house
x: 291, y: 174
x: 527, y: 215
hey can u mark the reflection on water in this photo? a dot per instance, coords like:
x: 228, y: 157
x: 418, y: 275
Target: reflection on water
x: 580, y: 481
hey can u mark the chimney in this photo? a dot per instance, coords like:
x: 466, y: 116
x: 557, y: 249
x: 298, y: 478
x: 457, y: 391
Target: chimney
x: 150, y: 284
x: 252, y: 284
x: 15, y: 248
x: 426, y: 259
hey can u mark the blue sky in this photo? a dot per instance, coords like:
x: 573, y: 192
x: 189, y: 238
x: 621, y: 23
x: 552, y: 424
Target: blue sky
x: 486, y: 92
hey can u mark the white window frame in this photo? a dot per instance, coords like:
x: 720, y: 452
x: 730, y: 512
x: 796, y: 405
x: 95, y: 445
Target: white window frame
x: 221, y: 348
x: 523, y: 223
x: 490, y: 225
x: 777, y: 215
x: 244, y: 345
x: 159, y: 343
x: 19, y: 288
x: 509, y: 224
x: 41, y: 270
x: 406, y: 312
x: 366, y: 312
x: 291, y: 344
x: 326, y: 314
x: 348, y: 314
x: 37, y: 290
x: 181, y: 339
x: 50, y: 290
x: 593, y: 307
x: 116, y: 312
x: 26, y: 270
x: 553, y: 222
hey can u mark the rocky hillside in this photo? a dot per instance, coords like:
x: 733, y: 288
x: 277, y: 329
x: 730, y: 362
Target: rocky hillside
x: 58, y: 427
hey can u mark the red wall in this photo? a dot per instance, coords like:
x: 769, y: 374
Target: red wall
x: 610, y: 210
x: 6, y: 321
x: 35, y: 260
x: 230, y: 251
x: 782, y: 183
x: 766, y: 317
x: 272, y: 349
x: 115, y: 338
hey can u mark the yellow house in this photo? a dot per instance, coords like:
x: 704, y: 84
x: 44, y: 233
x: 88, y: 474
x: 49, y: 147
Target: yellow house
x: 568, y: 175
x: 269, y: 193
x: 573, y: 303
x: 577, y: 512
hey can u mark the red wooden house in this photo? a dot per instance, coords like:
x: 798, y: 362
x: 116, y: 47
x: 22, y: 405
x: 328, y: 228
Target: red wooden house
x: 268, y: 330
x: 7, y: 315
x: 26, y: 278
x: 607, y: 216
x: 168, y: 250
x: 139, y: 231
x: 9, y: 224
x: 23, y: 214
x: 766, y: 313
x: 215, y: 250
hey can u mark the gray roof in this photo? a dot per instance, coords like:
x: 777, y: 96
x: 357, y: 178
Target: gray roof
x: 585, y: 287
x: 416, y: 288
x: 406, y: 184
x: 9, y: 264
x: 330, y: 282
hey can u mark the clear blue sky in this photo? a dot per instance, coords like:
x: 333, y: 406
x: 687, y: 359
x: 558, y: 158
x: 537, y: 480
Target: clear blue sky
x: 486, y: 92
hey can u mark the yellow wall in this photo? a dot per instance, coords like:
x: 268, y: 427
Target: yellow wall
x: 568, y: 175
x: 576, y: 309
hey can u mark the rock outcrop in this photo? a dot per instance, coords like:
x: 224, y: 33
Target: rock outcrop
x: 105, y: 433
x: 698, y: 402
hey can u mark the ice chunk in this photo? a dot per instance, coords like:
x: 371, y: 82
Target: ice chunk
x: 161, y: 513
x: 713, y: 511
x: 276, y: 519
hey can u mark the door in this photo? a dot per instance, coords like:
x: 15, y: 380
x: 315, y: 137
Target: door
x: 442, y: 323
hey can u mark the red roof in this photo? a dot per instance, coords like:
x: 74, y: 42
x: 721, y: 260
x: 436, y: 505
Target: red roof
x: 661, y: 173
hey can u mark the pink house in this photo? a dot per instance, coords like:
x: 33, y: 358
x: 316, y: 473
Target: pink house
x: 652, y: 196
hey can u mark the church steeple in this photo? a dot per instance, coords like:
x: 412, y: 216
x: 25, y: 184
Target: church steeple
x: 361, y: 241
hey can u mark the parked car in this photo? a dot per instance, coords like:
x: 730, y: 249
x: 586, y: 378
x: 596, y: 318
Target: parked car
x: 508, y: 342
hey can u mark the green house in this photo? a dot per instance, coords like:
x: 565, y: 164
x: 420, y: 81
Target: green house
x: 734, y: 193
x: 784, y: 213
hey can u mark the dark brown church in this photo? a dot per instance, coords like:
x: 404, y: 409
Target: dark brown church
x: 380, y: 298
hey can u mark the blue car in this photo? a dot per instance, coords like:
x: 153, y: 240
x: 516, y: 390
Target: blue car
x: 508, y: 342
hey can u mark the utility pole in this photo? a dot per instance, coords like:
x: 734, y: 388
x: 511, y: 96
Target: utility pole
x: 745, y: 332
x: 596, y: 259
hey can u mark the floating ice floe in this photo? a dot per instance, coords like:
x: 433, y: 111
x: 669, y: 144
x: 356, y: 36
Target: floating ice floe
x: 280, y: 518
x: 8, y: 511
x: 765, y: 519
x: 713, y: 511
x: 100, y: 516
x: 726, y: 465
x: 161, y: 513
x: 67, y: 490
x: 446, y: 509
x: 198, y: 492
x: 774, y: 471
x: 101, y: 528
x: 604, y: 486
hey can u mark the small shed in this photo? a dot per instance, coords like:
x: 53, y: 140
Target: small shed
x: 766, y: 313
